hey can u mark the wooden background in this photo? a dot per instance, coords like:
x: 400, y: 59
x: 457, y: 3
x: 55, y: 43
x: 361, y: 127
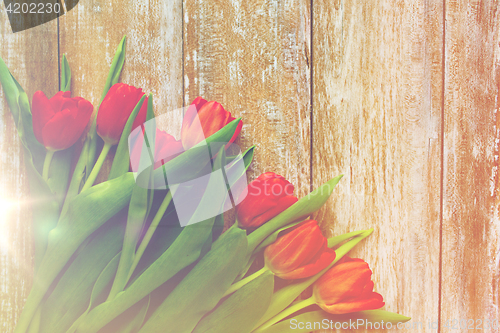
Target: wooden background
x: 399, y: 96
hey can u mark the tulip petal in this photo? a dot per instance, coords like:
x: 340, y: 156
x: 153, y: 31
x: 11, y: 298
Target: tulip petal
x: 322, y: 260
x: 269, y: 212
x: 346, y: 280
x: 58, y: 133
x: 166, y: 148
x: 42, y: 112
x: 202, y: 119
x: 237, y: 132
x: 375, y: 301
x: 213, y: 117
x: 291, y: 250
x: 301, y: 253
x: 58, y: 100
x: 198, y: 103
x: 263, y: 202
x: 85, y: 109
x: 347, y: 287
x: 258, y: 211
x: 166, y: 151
x: 141, y: 116
x: 115, y: 110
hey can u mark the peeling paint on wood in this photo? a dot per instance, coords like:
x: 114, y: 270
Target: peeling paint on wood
x: 471, y: 226
x: 251, y: 56
x: 377, y: 120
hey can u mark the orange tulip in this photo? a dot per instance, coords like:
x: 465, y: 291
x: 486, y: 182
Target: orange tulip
x: 347, y: 287
x: 267, y: 196
x: 301, y: 253
x: 202, y: 119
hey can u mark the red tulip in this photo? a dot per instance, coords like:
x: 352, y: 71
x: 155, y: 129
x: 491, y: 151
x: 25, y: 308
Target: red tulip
x: 267, y: 196
x: 301, y: 253
x: 115, y: 110
x: 202, y: 119
x: 166, y: 148
x: 347, y: 287
x: 60, y: 121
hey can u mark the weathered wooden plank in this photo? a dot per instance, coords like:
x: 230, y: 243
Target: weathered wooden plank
x: 471, y: 227
x: 90, y: 33
x: 31, y: 55
x: 377, y: 120
x: 253, y: 58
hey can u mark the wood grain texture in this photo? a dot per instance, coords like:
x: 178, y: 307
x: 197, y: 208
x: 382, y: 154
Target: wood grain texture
x: 90, y: 34
x: 405, y: 108
x: 377, y: 120
x: 31, y: 56
x: 471, y: 227
x: 253, y: 58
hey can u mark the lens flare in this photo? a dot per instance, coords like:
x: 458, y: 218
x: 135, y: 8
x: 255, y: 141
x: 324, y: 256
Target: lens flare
x: 6, y: 206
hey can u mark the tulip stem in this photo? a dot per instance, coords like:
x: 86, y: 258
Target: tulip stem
x: 97, y: 167
x: 285, y: 313
x: 246, y: 280
x: 46, y: 164
x: 149, y: 234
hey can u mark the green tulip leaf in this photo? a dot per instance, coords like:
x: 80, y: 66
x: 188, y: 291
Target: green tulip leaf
x: 169, y: 229
x: 166, y: 233
x: 19, y: 106
x: 116, y: 67
x: 98, y: 291
x: 336, y: 240
x: 202, y: 288
x: 86, y: 213
x: 301, y: 209
x: 184, y: 251
x: 65, y: 74
x: 285, y: 296
x: 78, y: 177
x: 25, y: 130
x: 131, y: 320
x: 240, y: 312
x: 247, y: 157
x: 103, y: 282
x: 10, y: 90
x: 59, y: 173
x: 217, y: 228
x: 113, y: 77
x: 45, y: 216
x: 121, y: 160
x: 136, y: 219
x: 71, y: 296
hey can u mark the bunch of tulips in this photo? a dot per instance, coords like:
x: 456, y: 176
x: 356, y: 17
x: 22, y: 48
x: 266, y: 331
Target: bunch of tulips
x: 115, y: 256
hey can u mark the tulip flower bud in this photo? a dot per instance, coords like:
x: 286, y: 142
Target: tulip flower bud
x: 166, y: 148
x: 115, y: 110
x: 60, y: 121
x: 267, y: 196
x: 202, y: 119
x: 301, y: 253
x: 347, y: 287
